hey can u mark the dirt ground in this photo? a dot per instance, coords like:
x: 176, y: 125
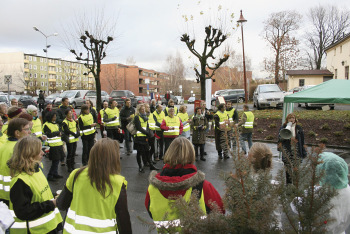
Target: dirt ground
x: 335, y: 135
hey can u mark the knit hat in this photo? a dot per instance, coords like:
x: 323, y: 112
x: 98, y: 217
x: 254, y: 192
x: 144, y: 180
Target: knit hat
x: 31, y: 108
x: 335, y: 169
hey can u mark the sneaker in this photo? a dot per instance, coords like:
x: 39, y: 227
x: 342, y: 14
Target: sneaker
x: 203, y: 159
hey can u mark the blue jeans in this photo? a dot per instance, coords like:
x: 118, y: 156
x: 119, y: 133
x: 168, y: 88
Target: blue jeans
x: 127, y: 142
x: 246, y: 137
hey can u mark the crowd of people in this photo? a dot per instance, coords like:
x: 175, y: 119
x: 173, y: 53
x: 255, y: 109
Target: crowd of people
x: 160, y: 135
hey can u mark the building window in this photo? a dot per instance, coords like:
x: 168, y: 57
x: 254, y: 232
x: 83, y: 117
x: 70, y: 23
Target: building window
x: 140, y: 89
x: 41, y: 60
x: 346, y: 72
x: 34, y: 67
x: 41, y: 76
x: 35, y: 75
x: 30, y: 58
x: 66, y: 85
x: 42, y: 84
x: 30, y: 75
x: 60, y: 69
x: 301, y: 82
x: 34, y: 59
x: 30, y: 66
x: 335, y: 73
x: 41, y: 68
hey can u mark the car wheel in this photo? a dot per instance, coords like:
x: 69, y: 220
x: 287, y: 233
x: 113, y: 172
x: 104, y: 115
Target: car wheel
x: 332, y: 107
x: 240, y: 100
x: 254, y: 104
x: 74, y: 105
x: 307, y: 106
x: 299, y: 105
x: 258, y: 106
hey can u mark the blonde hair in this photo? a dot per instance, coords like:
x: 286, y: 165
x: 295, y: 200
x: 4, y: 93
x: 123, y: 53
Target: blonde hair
x: 182, y: 108
x: 170, y: 100
x: 138, y: 108
x: 180, y: 151
x: 104, y: 161
x: 25, y: 156
x: 260, y: 156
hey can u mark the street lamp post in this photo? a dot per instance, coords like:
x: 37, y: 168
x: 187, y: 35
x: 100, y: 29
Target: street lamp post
x: 241, y: 21
x: 45, y: 50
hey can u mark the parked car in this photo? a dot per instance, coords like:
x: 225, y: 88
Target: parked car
x: 14, y: 96
x: 121, y: 95
x: 76, y: 98
x: 92, y: 95
x: 219, y: 92
x: 27, y: 100
x: 3, y: 99
x: 268, y: 95
x: 51, y: 98
x: 180, y: 100
x: 143, y: 99
x: 314, y: 105
x: 233, y: 95
x: 191, y: 100
x: 164, y: 102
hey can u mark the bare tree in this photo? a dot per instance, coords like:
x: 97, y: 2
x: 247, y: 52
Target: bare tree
x: 277, y: 27
x: 130, y: 60
x: 328, y: 24
x: 175, y: 68
x: 213, y: 40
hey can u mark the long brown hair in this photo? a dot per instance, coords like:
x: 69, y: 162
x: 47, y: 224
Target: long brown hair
x: 289, y: 116
x: 25, y: 156
x: 260, y: 156
x: 104, y: 161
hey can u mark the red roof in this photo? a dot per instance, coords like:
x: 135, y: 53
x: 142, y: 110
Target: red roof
x: 309, y: 72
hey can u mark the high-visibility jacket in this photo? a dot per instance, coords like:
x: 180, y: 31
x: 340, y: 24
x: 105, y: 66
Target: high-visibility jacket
x: 6, y: 151
x: 37, y: 128
x: 223, y: 117
x: 184, y: 118
x: 162, y: 210
x: 102, y: 111
x: 250, y: 119
x: 160, y: 117
x: 87, y: 121
x: 143, y: 125
x: 230, y: 114
x: 151, y: 122
x: 172, y: 122
x: 112, y: 113
x: 92, y: 213
x: 175, y: 110
x: 53, y: 141
x: 72, y: 126
x: 41, y: 192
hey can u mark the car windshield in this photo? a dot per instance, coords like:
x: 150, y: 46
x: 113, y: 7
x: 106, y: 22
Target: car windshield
x: 91, y: 93
x: 68, y: 94
x: 52, y: 96
x: 269, y: 89
x: 3, y: 99
x: 26, y: 97
x: 118, y: 93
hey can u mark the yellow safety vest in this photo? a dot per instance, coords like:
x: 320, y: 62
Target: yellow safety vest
x: 6, y: 151
x: 143, y: 125
x: 175, y: 110
x: 184, y: 118
x: 102, y: 114
x: 222, y: 116
x: 112, y: 113
x: 250, y: 119
x: 160, y: 117
x: 92, y: 213
x: 53, y: 141
x: 41, y: 192
x: 230, y: 114
x: 37, y: 129
x: 172, y: 122
x: 72, y: 126
x: 151, y: 122
x: 87, y: 121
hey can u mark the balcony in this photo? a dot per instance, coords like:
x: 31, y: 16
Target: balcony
x: 26, y: 61
x: 52, y: 80
x: 26, y: 78
x: 91, y: 75
x: 26, y: 69
x: 52, y: 65
x: 91, y: 81
x: 52, y: 72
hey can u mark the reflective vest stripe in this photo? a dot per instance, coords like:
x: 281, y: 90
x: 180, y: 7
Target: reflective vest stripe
x: 84, y: 220
x: 38, y: 133
x: 138, y: 132
x: 186, y: 127
x: 70, y: 229
x: 250, y: 120
x: 54, y: 140
x: 71, y: 137
x: 6, y: 188
x: 248, y: 124
x: 6, y: 179
x: 231, y: 120
x: 113, y: 122
x: 88, y: 130
x: 175, y: 130
x: 37, y: 222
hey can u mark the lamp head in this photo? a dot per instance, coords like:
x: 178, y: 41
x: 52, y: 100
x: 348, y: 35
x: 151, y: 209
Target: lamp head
x: 241, y: 19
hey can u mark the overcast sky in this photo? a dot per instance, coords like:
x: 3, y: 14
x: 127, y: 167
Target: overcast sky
x: 147, y: 30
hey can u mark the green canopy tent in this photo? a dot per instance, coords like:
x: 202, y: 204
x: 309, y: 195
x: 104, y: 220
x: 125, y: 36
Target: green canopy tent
x: 332, y: 91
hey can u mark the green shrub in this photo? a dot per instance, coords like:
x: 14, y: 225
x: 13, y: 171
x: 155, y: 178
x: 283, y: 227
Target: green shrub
x: 325, y: 126
x: 324, y: 140
x: 311, y: 134
x: 269, y: 137
x: 260, y: 130
x: 338, y: 133
x: 273, y: 125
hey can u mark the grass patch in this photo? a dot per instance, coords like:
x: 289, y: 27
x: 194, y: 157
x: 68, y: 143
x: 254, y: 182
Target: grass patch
x: 273, y: 125
x: 324, y: 140
x: 325, y: 126
x: 338, y: 133
x: 311, y: 134
x: 260, y: 130
x: 269, y: 137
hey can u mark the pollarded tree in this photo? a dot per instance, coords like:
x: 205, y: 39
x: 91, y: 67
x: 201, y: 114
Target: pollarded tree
x: 95, y: 48
x: 214, y: 38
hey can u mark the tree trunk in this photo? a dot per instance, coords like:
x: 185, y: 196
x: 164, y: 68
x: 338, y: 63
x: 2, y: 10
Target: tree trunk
x: 202, y: 89
x: 202, y: 80
x: 98, y: 86
x: 277, y: 67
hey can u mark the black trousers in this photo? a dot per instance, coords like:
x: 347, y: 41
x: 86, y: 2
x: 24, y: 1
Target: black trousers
x: 201, y: 150
x: 87, y: 145
x: 71, y: 149
x: 167, y: 142
x: 113, y: 134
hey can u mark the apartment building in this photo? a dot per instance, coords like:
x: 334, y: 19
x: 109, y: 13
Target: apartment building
x: 31, y: 73
x: 140, y: 81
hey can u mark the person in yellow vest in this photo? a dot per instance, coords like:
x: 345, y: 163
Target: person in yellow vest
x: 233, y: 118
x: 111, y: 120
x: 37, y: 126
x: 105, y: 208
x: 158, y: 116
x: 53, y: 133
x: 221, y: 128
x: 71, y: 130
x: 141, y: 139
x: 87, y: 132
x: 152, y: 128
x: 186, y: 121
x: 100, y: 119
x: 172, y: 127
x: 179, y: 177
x: 31, y: 199
x: 246, y: 125
x: 171, y: 104
x: 17, y: 129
